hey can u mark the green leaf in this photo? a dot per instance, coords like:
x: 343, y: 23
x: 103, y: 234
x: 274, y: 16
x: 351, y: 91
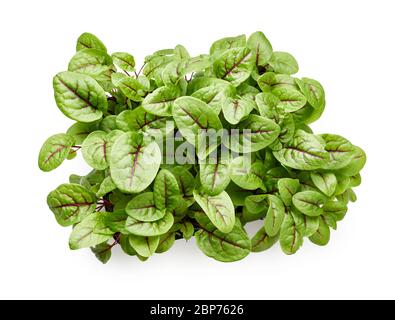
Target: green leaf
x: 257, y: 203
x: 160, y: 102
x: 187, y: 229
x: 83, y: 235
x: 88, y: 40
x: 275, y: 216
x: 215, y: 94
x: 79, y: 97
x: 142, y: 208
x: 309, y: 203
x: 166, y: 241
x: 214, y: 177
x: 124, y: 60
x: 130, y: 87
x: 150, y: 229
x: 228, y: 43
x: 111, y: 222
x: 260, y: 47
x: 80, y: 131
x: 313, y: 91
x: 304, y: 152
x: 102, y: 252
x: 291, y: 100
x: 144, y: 246
x: 106, y: 187
x: 236, y: 109
x: 219, y: 209
x: 54, y: 151
x: 283, y: 62
x: 261, y: 241
x: 325, y: 182
x: 71, y: 203
x: 356, y: 164
x: 247, y: 175
x: 94, y: 150
x: 225, y: 247
x: 340, y: 151
x: 255, y: 133
x: 290, y: 238
x: 142, y: 121
x: 192, y: 116
x: 108, y: 123
x: 287, y: 188
x: 322, y: 236
x: 270, y: 80
x: 166, y: 191
x: 134, y: 162
x: 94, y: 63
x: 234, y: 65
x: 186, y: 183
x: 338, y: 209
x: 306, y: 225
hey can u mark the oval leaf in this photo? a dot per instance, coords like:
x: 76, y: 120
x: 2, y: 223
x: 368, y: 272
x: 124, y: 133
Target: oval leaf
x: 150, y: 229
x: 309, y: 203
x: 166, y: 191
x: 71, y: 203
x: 79, y: 96
x: 54, y: 151
x: 134, y: 162
x: 219, y: 209
x: 142, y: 208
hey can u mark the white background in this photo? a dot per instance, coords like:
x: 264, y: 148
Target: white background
x: 347, y: 45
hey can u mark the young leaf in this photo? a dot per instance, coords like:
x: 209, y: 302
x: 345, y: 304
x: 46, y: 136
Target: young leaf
x: 234, y: 65
x: 102, y: 252
x: 54, y: 151
x: 236, y: 109
x: 322, y: 235
x: 275, y: 216
x: 192, y: 116
x: 129, y: 86
x: 262, y: 241
x: 325, y: 182
x: 291, y: 100
x: 283, y: 62
x: 214, y: 177
x: 142, y: 121
x: 290, y: 238
x: 225, y: 247
x: 287, y: 188
x: 150, y: 229
x: 94, y: 150
x: 166, y: 191
x: 71, y: 203
x: 83, y: 235
x: 304, y: 152
x: 255, y: 133
x: 260, y: 47
x: 144, y: 246
x: 219, y: 209
x: 247, y: 175
x: 88, y: 40
x: 306, y: 225
x: 134, y: 162
x: 166, y: 241
x: 309, y: 203
x: 187, y: 229
x: 79, y: 97
x: 124, y: 60
x: 142, y: 207
x: 228, y: 43
x: 160, y: 102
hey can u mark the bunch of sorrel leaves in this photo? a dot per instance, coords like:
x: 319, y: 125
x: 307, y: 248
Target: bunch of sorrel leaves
x: 277, y: 171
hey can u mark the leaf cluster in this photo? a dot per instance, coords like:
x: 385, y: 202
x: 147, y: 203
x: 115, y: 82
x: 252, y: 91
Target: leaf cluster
x: 296, y: 182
